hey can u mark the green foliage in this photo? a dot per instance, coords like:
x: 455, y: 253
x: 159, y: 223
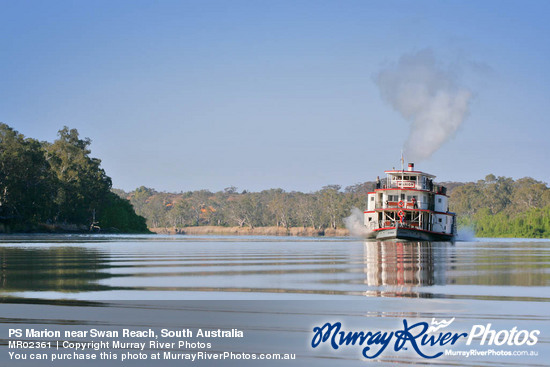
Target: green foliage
x: 27, y: 186
x: 82, y: 184
x: 502, y: 207
x: 533, y: 223
x: 57, y: 183
x: 118, y: 214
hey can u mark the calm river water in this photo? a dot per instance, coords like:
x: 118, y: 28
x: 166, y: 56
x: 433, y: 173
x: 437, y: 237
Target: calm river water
x: 279, y: 288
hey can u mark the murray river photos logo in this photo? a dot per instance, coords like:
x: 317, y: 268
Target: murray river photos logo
x: 425, y: 339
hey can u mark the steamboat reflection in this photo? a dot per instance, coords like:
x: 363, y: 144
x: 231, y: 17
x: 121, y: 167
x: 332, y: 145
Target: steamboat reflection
x: 401, y: 266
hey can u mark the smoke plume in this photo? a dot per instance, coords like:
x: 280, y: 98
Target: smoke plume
x: 427, y: 96
x: 354, y: 224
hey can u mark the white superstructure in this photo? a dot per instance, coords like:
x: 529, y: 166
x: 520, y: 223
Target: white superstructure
x: 407, y: 204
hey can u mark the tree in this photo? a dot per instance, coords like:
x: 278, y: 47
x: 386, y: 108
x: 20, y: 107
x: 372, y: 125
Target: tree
x: 82, y: 182
x: 140, y: 197
x: 245, y: 210
x: 308, y: 211
x: 199, y: 201
x: 57, y: 182
x: 528, y: 193
x: 156, y: 211
x: 331, y: 202
x: 278, y: 205
x: 120, y: 193
x: 27, y: 186
x: 466, y: 200
x: 496, y: 192
x: 180, y: 215
x: 118, y: 214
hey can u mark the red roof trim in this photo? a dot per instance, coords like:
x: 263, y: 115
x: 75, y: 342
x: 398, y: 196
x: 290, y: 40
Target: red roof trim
x: 405, y: 171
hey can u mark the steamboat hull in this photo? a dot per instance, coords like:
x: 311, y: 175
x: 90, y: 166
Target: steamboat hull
x: 410, y: 234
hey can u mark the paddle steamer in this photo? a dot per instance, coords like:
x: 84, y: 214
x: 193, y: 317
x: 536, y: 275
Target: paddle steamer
x: 408, y: 205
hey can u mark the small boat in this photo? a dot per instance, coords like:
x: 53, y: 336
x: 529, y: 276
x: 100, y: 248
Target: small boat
x: 408, y: 205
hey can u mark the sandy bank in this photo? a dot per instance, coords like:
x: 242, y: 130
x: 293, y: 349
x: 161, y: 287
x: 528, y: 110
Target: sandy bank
x: 258, y: 231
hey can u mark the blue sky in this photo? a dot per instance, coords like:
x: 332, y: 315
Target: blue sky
x: 185, y: 95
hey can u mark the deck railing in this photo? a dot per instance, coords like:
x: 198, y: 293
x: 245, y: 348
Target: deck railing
x: 408, y: 205
x: 438, y: 189
x: 394, y: 223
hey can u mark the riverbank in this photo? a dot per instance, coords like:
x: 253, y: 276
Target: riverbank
x: 42, y: 228
x: 59, y: 228
x: 257, y: 231
x: 202, y: 230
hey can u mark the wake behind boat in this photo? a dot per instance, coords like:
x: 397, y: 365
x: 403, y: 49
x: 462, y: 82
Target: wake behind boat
x: 409, y: 206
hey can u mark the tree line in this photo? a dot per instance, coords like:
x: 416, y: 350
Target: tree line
x: 274, y: 207
x: 493, y: 207
x: 503, y: 207
x: 58, y: 185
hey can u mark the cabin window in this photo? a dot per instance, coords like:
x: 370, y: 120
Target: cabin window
x: 402, y: 196
x: 440, y: 220
x: 370, y: 219
x: 392, y: 197
x: 410, y: 197
x: 372, y: 198
x: 439, y: 200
